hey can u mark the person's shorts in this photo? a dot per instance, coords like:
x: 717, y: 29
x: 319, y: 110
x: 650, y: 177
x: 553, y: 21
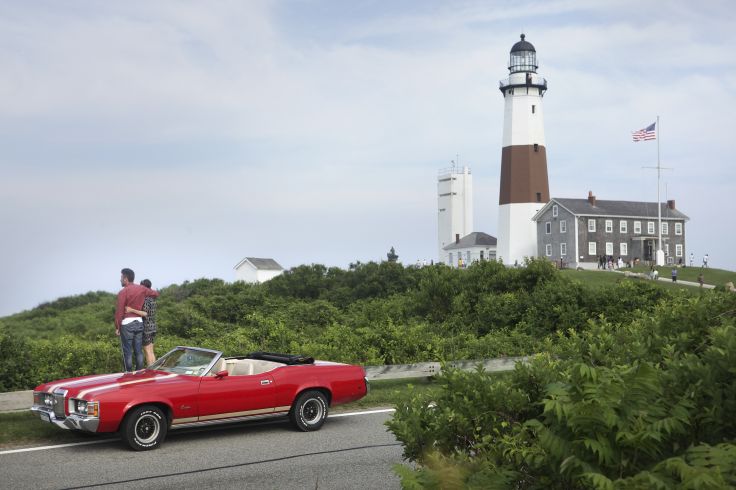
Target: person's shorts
x: 149, y: 337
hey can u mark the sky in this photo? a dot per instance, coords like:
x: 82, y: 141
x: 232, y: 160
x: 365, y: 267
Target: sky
x: 176, y: 138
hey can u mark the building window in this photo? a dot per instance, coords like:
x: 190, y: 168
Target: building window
x: 609, y: 226
x: 555, y: 211
x: 665, y: 228
x: 548, y: 249
x: 650, y: 227
x: 591, y: 225
x: 563, y: 248
x: 623, y: 226
x: 637, y: 227
x: 609, y: 248
x: 536, y: 147
x: 539, y: 197
x: 467, y: 257
x: 548, y: 227
x: 563, y: 226
x: 623, y: 249
x: 678, y: 250
x: 451, y: 264
x: 481, y: 254
x: 666, y: 248
x: 591, y: 248
x: 534, y: 108
x: 678, y: 228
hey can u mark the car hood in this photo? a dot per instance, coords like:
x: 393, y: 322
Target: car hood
x: 91, y: 386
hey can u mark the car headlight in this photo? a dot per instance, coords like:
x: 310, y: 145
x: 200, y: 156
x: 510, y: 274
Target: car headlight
x: 84, y: 407
x: 44, y: 399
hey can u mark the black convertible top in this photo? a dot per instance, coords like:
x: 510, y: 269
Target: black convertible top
x: 289, y: 359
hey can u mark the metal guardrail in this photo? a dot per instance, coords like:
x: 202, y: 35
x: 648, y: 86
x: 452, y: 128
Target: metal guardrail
x: 16, y: 401
x: 429, y: 369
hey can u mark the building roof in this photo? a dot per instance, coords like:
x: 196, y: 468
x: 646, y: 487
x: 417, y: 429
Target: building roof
x: 261, y: 264
x: 629, y: 209
x: 475, y: 239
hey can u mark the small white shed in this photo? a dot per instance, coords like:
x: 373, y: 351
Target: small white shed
x: 252, y: 269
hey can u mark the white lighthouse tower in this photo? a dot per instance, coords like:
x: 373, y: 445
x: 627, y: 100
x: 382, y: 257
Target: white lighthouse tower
x: 454, y: 208
x: 524, y: 183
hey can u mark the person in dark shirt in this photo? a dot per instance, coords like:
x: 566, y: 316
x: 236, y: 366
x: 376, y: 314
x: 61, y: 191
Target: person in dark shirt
x: 129, y: 325
x: 149, y: 323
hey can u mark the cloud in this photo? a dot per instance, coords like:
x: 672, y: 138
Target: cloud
x: 313, y: 132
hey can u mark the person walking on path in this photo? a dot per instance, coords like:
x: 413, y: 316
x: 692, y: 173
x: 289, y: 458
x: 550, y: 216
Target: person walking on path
x: 128, y: 325
x: 705, y: 261
x: 700, y: 279
x: 674, y: 274
x: 149, y: 323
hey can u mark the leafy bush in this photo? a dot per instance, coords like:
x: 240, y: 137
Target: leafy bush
x: 643, y: 404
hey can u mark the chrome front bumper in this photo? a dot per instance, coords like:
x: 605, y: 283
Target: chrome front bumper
x: 73, y: 421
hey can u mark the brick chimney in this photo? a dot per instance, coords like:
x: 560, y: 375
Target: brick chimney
x: 457, y: 237
x: 671, y: 204
x: 591, y: 198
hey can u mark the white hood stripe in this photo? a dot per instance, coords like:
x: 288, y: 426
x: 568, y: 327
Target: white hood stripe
x: 83, y: 393
x: 52, y: 387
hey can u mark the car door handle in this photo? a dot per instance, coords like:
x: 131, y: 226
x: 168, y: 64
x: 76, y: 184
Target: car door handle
x: 265, y: 381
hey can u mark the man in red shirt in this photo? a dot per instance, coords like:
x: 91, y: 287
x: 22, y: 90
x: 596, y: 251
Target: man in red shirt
x: 129, y: 326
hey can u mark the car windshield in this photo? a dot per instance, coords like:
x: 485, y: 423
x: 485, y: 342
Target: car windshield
x: 185, y: 360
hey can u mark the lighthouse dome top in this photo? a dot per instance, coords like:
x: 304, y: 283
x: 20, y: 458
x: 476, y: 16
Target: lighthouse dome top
x: 523, y: 57
x: 523, y: 45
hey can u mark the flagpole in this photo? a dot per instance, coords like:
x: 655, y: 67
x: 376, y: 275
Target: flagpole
x: 660, y: 254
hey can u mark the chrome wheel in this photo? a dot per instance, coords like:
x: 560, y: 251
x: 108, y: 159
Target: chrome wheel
x: 312, y: 411
x: 147, y: 428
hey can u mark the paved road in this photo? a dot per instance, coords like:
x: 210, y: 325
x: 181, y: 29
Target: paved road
x: 353, y: 451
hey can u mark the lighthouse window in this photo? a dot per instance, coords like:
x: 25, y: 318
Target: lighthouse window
x: 534, y: 108
x: 539, y: 197
x: 536, y: 146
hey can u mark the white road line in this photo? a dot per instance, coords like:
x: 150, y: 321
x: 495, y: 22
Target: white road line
x: 367, y: 412
x: 42, y: 448
x: 86, y: 443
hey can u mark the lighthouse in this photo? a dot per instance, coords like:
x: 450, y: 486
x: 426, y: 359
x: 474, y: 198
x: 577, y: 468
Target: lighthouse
x: 524, y: 184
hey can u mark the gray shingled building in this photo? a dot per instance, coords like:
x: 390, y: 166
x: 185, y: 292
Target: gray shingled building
x: 577, y: 232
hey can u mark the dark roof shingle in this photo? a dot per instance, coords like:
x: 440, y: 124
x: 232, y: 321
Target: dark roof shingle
x: 475, y: 239
x: 635, y: 209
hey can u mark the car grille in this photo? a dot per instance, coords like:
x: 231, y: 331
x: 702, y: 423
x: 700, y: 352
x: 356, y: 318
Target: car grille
x: 59, y: 404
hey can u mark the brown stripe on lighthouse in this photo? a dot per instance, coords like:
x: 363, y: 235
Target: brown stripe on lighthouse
x: 523, y: 174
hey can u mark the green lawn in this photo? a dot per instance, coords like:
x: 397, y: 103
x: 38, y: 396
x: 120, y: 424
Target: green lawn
x: 596, y: 278
x: 717, y: 277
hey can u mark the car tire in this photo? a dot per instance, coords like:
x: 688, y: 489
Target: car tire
x: 309, y: 411
x: 144, y: 428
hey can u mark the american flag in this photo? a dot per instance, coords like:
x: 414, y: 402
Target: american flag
x: 645, y: 134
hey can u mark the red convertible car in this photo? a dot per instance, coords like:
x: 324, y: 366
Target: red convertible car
x: 190, y: 386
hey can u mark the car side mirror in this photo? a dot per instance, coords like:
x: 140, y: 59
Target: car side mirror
x: 221, y: 374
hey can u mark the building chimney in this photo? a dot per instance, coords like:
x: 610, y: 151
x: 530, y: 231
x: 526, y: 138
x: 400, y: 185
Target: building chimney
x: 457, y: 237
x: 671, y: 204
x: 591, y: 198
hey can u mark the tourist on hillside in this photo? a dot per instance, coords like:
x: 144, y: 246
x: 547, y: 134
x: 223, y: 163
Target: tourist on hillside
x: 674, y: 274
x: 705, y: 261
x: 149, y: 323
x: 128, y: 325
x: 700, y: 279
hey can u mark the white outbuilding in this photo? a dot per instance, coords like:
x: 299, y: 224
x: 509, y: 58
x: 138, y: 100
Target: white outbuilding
x: 471, y: 248
x: 255, y: 270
